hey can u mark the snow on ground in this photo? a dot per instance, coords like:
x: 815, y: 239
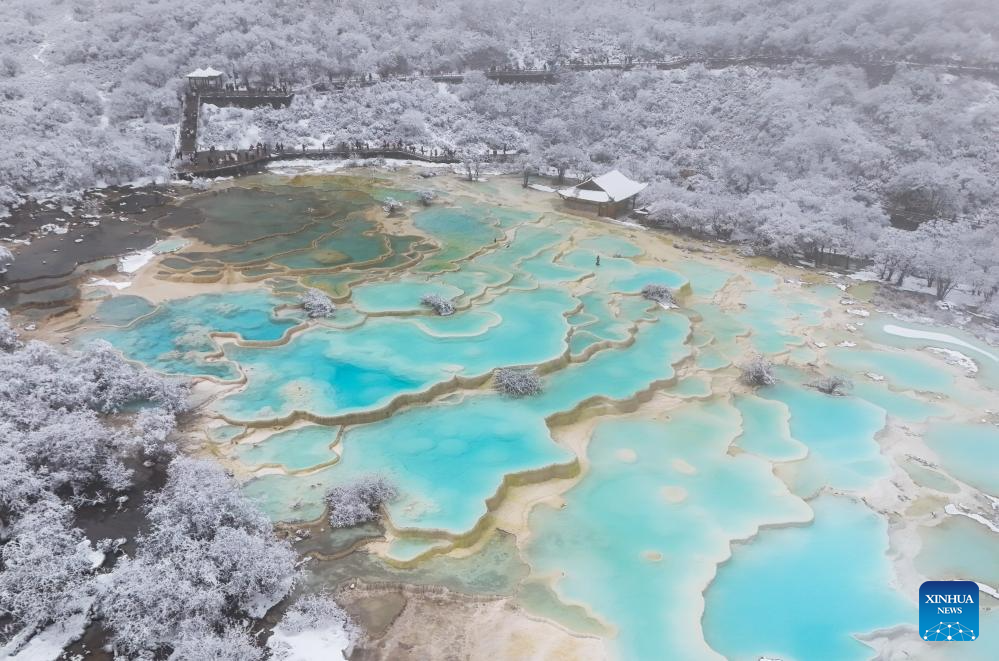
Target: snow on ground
x: 327, y: 644
x: 862, y: 276
x: 95, y: 557
x: 48, y: 644
x: 989, y: 590
x: 132, y: 262
x: 961, y: 295
x: 916, y: 334
x: 954, y: 510
x: 956, y: 358
x: 541, y: 187
x: 104, y: 282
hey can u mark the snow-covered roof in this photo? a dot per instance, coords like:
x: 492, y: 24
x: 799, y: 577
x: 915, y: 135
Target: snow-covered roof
x: 207, y: 72
x: 613, y: 187
x: 618, y: 186
x: 583, y: 194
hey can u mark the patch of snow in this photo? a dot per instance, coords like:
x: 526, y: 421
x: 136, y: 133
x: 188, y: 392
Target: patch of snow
x: 916, y: 334
x: 864, y: 276
x: 874, y: 376
x: 847, y: 344
x: 52, y: 228
x: 104, y: 282
x: 328, y: 644
x: 954, y: 510
x: 847, y: 301
x: 132, y: 262
x: 988, y: 589
x: 858, y: 312
x: 821, y: 345
x: 96, y: 557
x: 953, y: 357
x: 541, y: 187
x: 49, y: 643
x: 628, y: 223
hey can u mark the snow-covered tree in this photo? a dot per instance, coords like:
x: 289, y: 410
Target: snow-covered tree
x: 199, y: 642
x: 391, y: 206
x: 46, y: 567
x: 517, y: 382
x: 832, y: 385
x: 440, y: 304
x: 209, y: 555
x: 317, y: 304
x: 661, y: 294
x: 758, y: 372
x: 358, y: 501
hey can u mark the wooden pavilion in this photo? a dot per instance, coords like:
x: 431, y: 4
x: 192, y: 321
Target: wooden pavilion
x: 610, y: 195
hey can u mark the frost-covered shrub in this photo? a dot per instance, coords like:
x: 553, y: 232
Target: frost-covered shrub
x: 316, y: 611
x: 46, y: 571
x: 427, y: 196
x: 359, y: 501
x: 55, y: 410
x: 8, y: 336
x: 758, y: 372
x: 659, y: 293
x: 6, y: 259
x: 116, y: 383
x: 207, y: 557
x: 391, y: 206
x: 315, y: 618
x: 198, y: 642
x: 832, y: 385
x: 210, y: 555
x: 518, y: 383
x: 441, y: 305
x: 317, y: 304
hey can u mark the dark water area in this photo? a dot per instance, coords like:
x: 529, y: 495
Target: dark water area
x: 86, y: 240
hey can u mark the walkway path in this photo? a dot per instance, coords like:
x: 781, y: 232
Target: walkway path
x: 244, y: 161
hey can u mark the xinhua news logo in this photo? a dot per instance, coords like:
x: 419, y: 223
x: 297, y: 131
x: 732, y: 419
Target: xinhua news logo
x: 948, y: 611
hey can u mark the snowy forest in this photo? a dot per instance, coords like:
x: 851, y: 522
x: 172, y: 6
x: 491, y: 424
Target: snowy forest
x: 89, y: 89
x: 102, y: 519
x: 807, y: 158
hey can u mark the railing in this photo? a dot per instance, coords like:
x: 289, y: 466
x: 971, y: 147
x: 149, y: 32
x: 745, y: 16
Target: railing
x: 231, y: 162
x: 246, y: 93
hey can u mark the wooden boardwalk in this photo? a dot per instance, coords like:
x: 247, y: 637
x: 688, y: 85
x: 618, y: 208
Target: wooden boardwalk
x: 241, y: 98
x: 230, y: 163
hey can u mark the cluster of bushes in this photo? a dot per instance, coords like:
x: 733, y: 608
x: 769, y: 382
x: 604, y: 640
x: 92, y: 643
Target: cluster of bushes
x: 358, y: 502
x: 75, y: 427
x: 317, y: 304
x: 439, y: 304
x: 517, y: 382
